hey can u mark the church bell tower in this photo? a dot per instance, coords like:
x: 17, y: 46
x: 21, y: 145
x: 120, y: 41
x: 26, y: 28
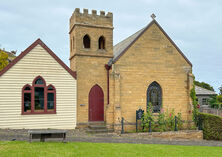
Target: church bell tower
x: 91, y: 47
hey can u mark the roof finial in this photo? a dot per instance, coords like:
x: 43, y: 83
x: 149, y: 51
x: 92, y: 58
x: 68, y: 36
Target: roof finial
x: 153, y: 16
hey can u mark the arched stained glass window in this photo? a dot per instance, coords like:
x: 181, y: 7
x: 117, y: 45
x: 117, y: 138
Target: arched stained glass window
x: 154, y: 96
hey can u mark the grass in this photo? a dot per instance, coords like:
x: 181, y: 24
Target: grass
x: 80, y: 149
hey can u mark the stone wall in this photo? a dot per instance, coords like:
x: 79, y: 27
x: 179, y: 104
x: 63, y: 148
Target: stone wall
x: 171, y: 135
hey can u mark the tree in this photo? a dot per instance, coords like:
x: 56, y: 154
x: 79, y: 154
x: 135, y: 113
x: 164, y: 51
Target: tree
x: 3, y: 59
x: 204, y: 85
x: 220, y: 90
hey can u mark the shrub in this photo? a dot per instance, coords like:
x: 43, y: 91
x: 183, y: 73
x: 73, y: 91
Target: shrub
x: 179, y: 120
x: 195, y: 103
x: 147, y: 117
x: 161, y: 126
x: 212, y: 126
x: 163, y: 121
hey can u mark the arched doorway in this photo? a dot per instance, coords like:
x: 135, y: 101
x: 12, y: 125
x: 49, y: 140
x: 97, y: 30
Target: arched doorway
x: 154, y: 96
x: 96, y: 104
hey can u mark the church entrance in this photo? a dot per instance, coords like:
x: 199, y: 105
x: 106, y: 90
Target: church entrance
x: 96, y: 104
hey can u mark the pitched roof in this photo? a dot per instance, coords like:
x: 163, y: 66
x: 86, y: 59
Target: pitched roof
x: 123, y: 46
x: 38, y: 42
x: 203, y: 91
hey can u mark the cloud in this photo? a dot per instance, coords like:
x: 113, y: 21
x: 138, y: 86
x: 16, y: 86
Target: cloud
x: 194, y: 25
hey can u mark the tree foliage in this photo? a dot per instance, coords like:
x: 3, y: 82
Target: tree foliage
x: 220, y: 90
x: 3, y: 59
x: 216, y: 101
x: 194, y: 102
x: 204, y: 85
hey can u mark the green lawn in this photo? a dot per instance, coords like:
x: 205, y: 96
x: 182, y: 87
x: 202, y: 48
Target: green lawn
x: 57, y: 149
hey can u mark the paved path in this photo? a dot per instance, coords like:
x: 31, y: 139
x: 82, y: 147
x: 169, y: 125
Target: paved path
x: 145, y: 141
x: 81, y: 136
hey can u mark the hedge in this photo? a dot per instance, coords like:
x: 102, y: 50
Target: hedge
x: 212, y: 126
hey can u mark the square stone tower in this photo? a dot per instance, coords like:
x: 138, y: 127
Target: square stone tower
x: 91, y: 47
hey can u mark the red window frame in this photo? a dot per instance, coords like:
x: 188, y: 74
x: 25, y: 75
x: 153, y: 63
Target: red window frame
x: 23, y: 98
x: 32, y: 91
x: 54, y: 92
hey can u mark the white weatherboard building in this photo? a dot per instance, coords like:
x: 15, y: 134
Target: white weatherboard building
x: 37, y: 91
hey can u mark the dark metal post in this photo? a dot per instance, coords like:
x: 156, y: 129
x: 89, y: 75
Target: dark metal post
x: 122, y: 123
x: 175, y: 129
x: 136, y: 126
x: 150, y: 130
x: 199, y: 123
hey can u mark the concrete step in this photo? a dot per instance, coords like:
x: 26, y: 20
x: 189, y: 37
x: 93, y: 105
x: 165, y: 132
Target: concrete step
x: 97, y: 123
x: 97, y: 127
x: 94, y: 131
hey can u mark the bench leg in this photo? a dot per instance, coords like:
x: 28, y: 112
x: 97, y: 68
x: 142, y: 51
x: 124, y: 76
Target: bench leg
x: 42, y: 138
x: 64, y: 138
x: 30, y: 138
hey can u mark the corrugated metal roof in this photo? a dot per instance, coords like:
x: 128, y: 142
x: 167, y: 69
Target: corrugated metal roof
x: 203, y: 91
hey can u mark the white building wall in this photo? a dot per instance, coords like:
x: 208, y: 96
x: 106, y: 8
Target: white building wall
x: 37, y: 62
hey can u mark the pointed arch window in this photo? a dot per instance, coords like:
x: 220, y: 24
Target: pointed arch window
x: 38, y: 98
x: 86, y: 41
x: 154, y: 96
x: 39, y: 94
x: 26, y: 98
x: 51, y: 97
x: 102, y: 43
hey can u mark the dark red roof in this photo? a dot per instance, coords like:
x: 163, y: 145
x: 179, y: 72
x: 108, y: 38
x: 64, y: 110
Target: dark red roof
x: 38, y: 41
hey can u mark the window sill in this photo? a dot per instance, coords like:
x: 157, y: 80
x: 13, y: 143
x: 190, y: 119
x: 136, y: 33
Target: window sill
x: 87, y: 49
x: 30, y: 113
x: 102, y: 50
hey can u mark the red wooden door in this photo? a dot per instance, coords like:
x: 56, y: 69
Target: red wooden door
x: 96, y: 104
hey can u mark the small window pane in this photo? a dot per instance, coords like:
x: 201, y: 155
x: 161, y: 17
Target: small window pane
x: 39, y: 81
x: 50, y: 101
x: 204, y: 101
x: 39, y: 98
x: 27, y: 88
x: 50, y: 88
x: 27, y: 102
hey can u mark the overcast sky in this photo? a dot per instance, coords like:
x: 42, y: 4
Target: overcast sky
x: 194, y: 25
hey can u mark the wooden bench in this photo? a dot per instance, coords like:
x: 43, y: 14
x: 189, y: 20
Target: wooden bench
x: 43, y: 134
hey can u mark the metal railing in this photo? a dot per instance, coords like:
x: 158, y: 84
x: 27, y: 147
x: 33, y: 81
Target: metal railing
x: 123, y: 121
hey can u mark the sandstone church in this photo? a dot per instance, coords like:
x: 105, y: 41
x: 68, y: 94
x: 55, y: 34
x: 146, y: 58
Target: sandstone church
x: 104, y: 82
x: 115, y: 81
